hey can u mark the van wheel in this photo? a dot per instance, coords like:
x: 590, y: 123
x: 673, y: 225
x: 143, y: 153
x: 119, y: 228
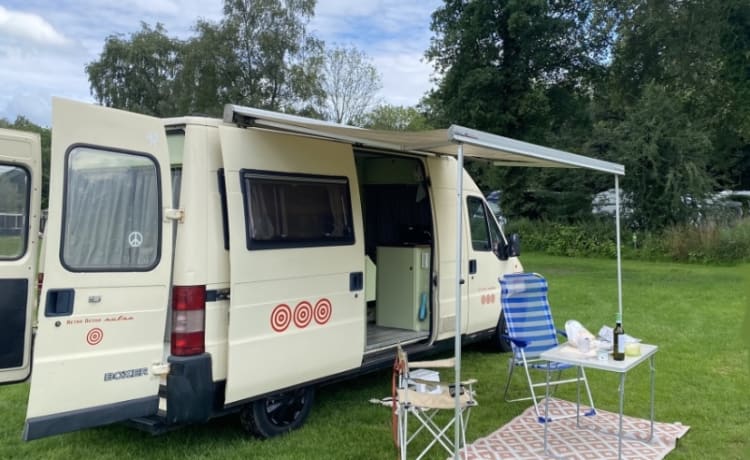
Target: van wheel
x: 502, y: 345
x: 277, y: 414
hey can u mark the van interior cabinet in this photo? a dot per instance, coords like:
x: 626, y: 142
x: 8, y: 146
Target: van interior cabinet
x: 403, y: 287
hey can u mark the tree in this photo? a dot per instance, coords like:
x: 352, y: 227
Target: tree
x: 274, y: 62
x: 350, y: 83
x: 518, y: 68
x: 396, y: 118
x: 698, y: 51
x: 138, y: 73
x: 259, y: 54
x: 665, y: 156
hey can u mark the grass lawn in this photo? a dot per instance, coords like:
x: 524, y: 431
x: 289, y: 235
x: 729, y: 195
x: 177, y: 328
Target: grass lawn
x: 697, y: 315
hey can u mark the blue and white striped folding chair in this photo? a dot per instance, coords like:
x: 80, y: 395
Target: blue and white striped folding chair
x: 531, y: 331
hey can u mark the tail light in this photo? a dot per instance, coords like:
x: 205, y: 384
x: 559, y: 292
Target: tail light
x: 39, y: 282
x: 188, y: 320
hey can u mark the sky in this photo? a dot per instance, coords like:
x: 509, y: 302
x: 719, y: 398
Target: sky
x: 45, y: 45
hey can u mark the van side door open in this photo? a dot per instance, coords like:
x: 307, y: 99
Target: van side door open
x: 103, y: 306
x: 296, y: 259
x: 20, y: 194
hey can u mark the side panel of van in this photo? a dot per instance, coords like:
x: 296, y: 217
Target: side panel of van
x: 108, y: 259
x: 297, y: 260
x: 20, y: 192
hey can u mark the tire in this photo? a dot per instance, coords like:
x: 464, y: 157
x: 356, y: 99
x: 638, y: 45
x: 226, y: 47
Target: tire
x: 278, y: 414
x: 502, y: 345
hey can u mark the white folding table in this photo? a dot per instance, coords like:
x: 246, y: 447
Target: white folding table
x: 567, y: 354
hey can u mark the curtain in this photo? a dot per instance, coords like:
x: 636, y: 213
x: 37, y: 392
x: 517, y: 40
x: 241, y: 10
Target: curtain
x: 112, y: 218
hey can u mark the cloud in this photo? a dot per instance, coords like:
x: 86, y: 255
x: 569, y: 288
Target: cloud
x: 393, y: 33
x: 17, y: 25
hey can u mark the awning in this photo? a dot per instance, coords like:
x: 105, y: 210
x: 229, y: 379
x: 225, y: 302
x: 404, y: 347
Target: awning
x: 500, y: 150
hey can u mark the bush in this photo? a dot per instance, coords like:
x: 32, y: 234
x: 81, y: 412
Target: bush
x: 705, y: 244
x: 709, y: 244
x: 583, y: 239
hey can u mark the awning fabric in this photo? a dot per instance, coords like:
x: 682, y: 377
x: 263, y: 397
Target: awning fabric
x: 500, y: 150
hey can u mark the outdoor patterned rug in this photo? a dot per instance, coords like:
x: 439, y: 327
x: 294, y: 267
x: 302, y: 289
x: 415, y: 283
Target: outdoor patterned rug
x: 523, y: 437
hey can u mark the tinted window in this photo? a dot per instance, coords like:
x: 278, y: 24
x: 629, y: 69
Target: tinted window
x: 284, y: 210
x: 14, y: 204
x: 112, y: 211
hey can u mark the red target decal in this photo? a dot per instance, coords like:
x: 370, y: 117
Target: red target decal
x: 323, y: 311
x: 281, y: 317
x: 303, y: 314
x: 94, y: 336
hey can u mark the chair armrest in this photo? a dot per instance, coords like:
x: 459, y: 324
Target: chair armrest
x: 448, y: 362
x: 517, y: 342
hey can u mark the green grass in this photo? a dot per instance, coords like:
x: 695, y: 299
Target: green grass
x: 696, y: 314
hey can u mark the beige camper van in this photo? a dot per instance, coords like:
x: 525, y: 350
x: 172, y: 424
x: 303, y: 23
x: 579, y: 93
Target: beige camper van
x: 197, y: 266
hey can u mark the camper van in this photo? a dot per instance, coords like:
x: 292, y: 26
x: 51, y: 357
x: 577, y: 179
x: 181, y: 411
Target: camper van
x: 195, y: 267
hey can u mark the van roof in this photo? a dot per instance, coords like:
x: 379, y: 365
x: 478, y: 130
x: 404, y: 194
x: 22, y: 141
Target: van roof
x: 477, y: 144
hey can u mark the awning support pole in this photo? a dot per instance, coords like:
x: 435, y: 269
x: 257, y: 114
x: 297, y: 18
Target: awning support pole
x: 459, y: 265
x: 619, y: 256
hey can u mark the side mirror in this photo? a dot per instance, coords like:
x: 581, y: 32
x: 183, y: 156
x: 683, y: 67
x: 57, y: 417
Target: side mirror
x: 514, y: 243
x: 512, y: 248
x: 501, y: 250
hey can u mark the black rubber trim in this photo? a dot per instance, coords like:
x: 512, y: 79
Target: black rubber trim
x: 13, y: 326
x: 190, y: 389
x: 48, y: 425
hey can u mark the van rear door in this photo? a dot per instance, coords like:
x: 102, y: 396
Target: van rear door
x: 297, y: 310
x: 20, y: 192
x: 103, y: 307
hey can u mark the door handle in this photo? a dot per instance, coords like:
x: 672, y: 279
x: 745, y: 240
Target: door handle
x: 59, y: 302
x: 472, y: 266
x: 356, y: 281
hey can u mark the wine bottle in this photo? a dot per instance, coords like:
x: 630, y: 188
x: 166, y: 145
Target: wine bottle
x: 618, y: 340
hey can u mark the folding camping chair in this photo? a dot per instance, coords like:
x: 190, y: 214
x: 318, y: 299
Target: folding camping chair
x: 422, y: 400
x: 531, y: 331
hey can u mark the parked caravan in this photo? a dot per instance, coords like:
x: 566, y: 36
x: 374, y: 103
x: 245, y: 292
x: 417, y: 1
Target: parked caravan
x: 195, y: 266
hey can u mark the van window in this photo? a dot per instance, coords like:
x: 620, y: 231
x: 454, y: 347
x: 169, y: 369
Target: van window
x: 484, y: 230
x: 112, y: 215
x: 176, y: 147
x: 14, y: 206
x: 288, y: 210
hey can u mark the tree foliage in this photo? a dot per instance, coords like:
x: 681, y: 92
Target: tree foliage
x: 267, y: 66
x: 259, y: 54
x: 660, y: 86
x: 666, y: 158
x: 350, y: 84
x: 396, y: 118
x: 137, y: 73
x: 522, y: 69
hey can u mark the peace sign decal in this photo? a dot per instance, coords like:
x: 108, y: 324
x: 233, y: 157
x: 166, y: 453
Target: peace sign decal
x: 135, y: 239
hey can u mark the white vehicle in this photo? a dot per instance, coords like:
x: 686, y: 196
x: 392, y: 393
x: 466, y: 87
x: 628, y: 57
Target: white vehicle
x: 197, y: 266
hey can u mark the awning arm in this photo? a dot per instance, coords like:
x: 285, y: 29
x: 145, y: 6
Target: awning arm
x: 459, y: 282
x: 619, y: 256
